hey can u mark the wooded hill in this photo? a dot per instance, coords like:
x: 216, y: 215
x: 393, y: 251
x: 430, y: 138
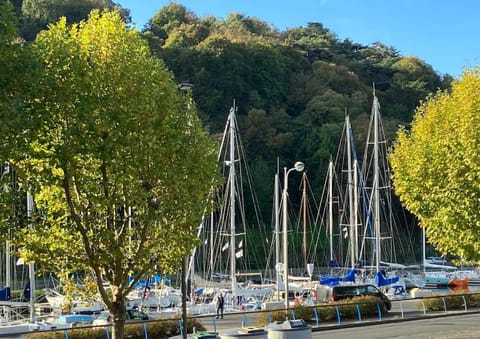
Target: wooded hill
x: 293, y: 88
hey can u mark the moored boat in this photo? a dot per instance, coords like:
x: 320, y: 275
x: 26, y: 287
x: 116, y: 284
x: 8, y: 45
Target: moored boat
x: 458, y: 282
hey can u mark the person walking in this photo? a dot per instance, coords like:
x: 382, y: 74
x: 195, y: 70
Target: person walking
x: 220, y: 303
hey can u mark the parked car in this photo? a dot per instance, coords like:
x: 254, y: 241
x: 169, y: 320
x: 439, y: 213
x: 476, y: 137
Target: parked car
x: 342, y: 292
x: 132, y: 315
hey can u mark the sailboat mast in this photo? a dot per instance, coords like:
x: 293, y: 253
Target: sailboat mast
x: 31, y: 267
x: 304, y: 208
x: 330, y: 207
x: 277, y: 229
x: 211, y: 240
x: 350, y: 192
x: 423, y: 249
x: 376, y: 186
x: 355, y: 207
x: 8, y: 260
x: 232, y: 198
x: 285, y: 235
x: 8, y: 266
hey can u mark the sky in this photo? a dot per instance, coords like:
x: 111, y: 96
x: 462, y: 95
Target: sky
x: 443, y: 33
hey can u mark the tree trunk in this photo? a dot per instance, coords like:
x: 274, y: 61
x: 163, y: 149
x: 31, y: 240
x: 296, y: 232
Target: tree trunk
x: 118, y: 329
x: 118, y: 311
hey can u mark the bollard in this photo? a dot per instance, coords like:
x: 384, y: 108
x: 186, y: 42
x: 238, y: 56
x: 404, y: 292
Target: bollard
x: 315, y: 313
x: 359, y: 313
x: 338, y: 315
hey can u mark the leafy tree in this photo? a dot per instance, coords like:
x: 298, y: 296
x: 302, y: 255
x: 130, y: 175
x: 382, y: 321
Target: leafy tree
x: 8, y: 22
x: 8, y: 33
x: 320, y: 146
x: 324, y: 108
x: 168, y: 18
x: 12, y: 57
x: 116, y: 159
x: 311, y: 37
x: 187, y: 35
x: 37, y: 14
x: 411, y: 79
x: 17, y: 5
x: 436, y: 171
x: 241, y: 26
x: 17, y: 65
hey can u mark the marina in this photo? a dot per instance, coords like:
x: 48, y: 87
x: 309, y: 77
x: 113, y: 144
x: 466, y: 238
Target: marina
x: 214, y: 269
x: 403, y: 309
x: 360, y: 253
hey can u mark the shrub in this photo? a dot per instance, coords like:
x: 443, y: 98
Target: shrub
x: 452, y: 301
x: 265, y: 317
x: 347, y: 309
x: 303, y: 312
x: 155, y: 329
x: 473, y: 300
x: 326, y: 313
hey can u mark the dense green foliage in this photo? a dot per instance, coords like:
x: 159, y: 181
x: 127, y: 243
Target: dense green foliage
x: 36, y: 15
x: 292, y: 87
x: 18, y: 69
x: 456, y: 300
x: 436, y: 169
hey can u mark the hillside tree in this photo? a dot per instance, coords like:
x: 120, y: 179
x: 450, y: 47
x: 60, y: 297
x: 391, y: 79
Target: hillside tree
x: 36, y: 15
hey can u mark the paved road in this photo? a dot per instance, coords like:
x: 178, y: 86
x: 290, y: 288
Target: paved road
x: 451, y: 326
x: 463, y: 325
x: 458, y: 326
x: 404, y: 309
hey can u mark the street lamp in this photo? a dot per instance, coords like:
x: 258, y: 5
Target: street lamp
x: 184, y: 87
x: 299, y: 166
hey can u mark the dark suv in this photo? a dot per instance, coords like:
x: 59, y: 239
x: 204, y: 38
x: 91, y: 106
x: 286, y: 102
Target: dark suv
x: 341, y: 292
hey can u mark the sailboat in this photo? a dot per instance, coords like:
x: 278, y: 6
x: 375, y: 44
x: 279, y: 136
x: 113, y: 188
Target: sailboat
x: 11, y: 321
x: 222, y: 257
x: 379, y: 216
x: 346, y: 187
x: 369, y: 220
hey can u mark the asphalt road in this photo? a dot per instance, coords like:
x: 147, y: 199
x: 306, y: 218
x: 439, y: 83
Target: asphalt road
x: 415, y: 325
x: 452, y: 326
x: 404, y: 309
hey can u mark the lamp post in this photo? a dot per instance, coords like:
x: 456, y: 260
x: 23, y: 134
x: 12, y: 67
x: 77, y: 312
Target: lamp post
x: 310, y: 274
x: 299, y: 166
x: 184, y: 87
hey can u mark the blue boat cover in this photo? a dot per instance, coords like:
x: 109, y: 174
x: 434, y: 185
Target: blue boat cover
x: 333, y: 281
x: 26, y: 291
x: 380, y: 280
x: 150, y: 281
x: 5, y: 294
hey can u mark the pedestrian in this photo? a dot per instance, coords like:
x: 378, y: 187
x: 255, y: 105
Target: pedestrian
x: 220, y: 302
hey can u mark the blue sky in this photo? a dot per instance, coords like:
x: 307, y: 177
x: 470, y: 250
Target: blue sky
x: 443, y: 33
